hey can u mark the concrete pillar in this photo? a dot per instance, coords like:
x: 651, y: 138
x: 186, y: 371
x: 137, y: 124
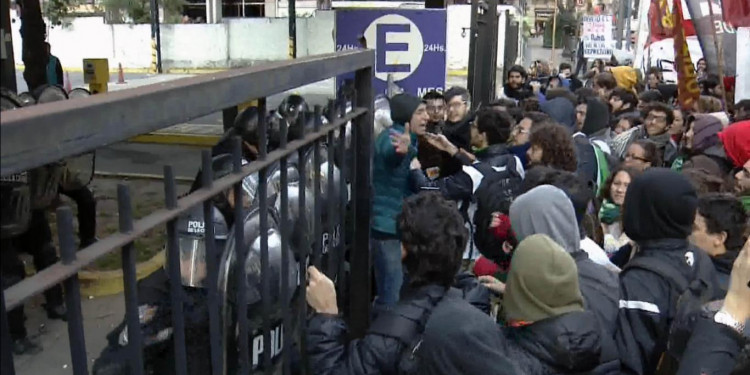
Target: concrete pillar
x: 271, y: 7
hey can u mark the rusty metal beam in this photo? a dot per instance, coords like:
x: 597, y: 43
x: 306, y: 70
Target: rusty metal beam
x: 18, y: 293
x: 38, y: 135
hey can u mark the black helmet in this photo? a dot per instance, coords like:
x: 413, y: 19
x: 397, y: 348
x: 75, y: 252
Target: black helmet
x: 291, y: 107
x: 49, y: 93
x: 191, y: 239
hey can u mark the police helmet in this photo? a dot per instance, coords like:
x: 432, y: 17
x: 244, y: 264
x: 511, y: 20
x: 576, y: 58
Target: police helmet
x: 79, y: 92
x: 49, y: 93
x: 27, y: 99
x: 191, y: 240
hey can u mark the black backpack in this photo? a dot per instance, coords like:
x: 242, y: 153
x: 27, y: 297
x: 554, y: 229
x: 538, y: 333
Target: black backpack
x: 406, y: 322
x: 495, y: 193
x: 691, y: 296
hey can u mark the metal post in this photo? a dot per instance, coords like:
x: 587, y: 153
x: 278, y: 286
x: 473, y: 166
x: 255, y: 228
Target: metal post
x: 719, y: 53
x: 6, y: 43
x: 130, y: 280
x: 554, y: 33
x: 361, y: 200
x: 72, y: 292
x: 483, y: 53
x: 155, y: 38
x: 292, y: 29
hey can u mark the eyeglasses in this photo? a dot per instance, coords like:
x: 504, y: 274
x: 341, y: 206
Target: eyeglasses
x: 456, y: 105
x: 433, y: 108
x: 636, y: 157
x: 651, y: 117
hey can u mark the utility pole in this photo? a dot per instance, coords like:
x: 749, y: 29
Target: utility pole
x: 8, y: 68
x: 483, y: 52
x: 155, y: 38
x: 293, y: 27
x: 33, y: 33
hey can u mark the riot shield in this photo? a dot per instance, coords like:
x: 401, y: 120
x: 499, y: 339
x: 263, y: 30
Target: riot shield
x: 228, y: 282
x: 15, y: 204
x: 191, y: 240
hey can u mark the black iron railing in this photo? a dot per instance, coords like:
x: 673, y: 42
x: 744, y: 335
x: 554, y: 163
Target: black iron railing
x: 68, y: 128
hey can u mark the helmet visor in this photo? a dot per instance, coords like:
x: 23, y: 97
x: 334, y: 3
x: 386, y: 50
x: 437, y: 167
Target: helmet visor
x: 193, y: 269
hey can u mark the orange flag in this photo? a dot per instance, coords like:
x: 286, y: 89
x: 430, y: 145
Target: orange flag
x: 688, y: 91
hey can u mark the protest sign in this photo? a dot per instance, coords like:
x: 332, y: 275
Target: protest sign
x: 597, y: 37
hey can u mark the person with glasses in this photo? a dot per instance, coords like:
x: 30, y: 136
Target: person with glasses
x: 458, y: 121
x: 431, y: 158
x: 659, y: 117
x: 642, y: 154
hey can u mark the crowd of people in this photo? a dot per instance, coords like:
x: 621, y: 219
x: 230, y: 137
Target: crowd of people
x: 572, y: 226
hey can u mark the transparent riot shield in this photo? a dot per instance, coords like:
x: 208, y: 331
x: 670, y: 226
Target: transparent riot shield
x: 229, y: 277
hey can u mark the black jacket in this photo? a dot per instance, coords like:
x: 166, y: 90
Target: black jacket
x: 457, y: 335
x: 588, y: 166
x: 461, y: 186
x: 647, y: 303
x: 565, y: 344
x: 600, y: 290
x: 518, y: 94
x: 713, y: 349
x: 458, y: 133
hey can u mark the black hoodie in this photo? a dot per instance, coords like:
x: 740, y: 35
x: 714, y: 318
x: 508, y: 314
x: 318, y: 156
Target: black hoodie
x: 597, y: 117
x: 564, y: 344
x: 661, y: 206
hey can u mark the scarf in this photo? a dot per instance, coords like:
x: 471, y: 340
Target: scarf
x: 609, y: 213
x: 746, y: 203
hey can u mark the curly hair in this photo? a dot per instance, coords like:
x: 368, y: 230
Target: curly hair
x: 724, y: 213
x: 606, y: 191
x: 557, y: 146
x: 434, y: 237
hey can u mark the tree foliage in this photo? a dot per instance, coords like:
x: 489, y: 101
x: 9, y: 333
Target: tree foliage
x: 139, y: 11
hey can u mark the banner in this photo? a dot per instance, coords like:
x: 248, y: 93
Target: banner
x: 736, y: 12
x: 409, y: 45
x: 660, y: 21
x: 597, y: 37
x: 688, y: 91
x: 704, y: 25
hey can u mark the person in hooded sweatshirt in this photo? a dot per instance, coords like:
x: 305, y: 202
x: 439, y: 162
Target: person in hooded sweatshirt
x: 394, y: 151
x: 660, y: 208
x: 548, y: 331
x: 561, y: 110
x: 702, y: 148
x: 591, y: 140
x: 548, y: 210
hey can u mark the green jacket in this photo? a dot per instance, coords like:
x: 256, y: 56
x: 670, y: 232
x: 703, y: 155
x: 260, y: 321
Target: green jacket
x: 390, y: 176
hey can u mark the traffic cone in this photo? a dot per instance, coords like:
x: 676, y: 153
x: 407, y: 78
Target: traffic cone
x: 120, y: 74
x: 67, y: 85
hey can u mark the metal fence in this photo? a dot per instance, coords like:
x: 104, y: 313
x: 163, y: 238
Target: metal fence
x: 64, y: 129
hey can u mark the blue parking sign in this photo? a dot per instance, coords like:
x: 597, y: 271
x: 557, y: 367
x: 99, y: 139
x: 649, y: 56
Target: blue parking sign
x: 409, y: 45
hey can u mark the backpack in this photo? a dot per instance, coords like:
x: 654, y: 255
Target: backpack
x: 688, y: 302
x: 495, y: 193
x: 406, y: 322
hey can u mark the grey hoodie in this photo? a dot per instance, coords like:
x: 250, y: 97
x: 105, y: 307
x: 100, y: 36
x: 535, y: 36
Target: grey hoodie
x: 546, y: 209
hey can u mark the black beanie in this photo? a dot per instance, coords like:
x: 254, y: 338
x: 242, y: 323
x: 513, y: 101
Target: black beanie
x: 659, y: 204
x: 403, y: 107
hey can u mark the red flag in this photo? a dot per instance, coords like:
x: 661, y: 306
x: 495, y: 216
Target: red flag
x: 660, y: 20
x: 736, y: 12
x: 687, y: 84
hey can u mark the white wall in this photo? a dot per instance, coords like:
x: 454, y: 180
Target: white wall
x: 742, y: 88
x: 235, y: 42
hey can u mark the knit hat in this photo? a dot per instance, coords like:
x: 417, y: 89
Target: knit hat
x: 403, y: 107
x: 625, y: 77
x: 706, y: 130
x: 543, y: 281
x: 659, y: 204
x: 736, y: 140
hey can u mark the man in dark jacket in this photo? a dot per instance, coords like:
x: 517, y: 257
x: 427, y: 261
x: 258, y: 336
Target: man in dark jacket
x: 431, y: 158
x: 515, y: 87
x: 548, y: 330
x: 591, y: 142
x: 457, y: 127
x: 661, y: 206
x: 394, y: 150
x: 489, y: 135
x: 548, y: 210
x: 715, y: 345
x: 448, y: 336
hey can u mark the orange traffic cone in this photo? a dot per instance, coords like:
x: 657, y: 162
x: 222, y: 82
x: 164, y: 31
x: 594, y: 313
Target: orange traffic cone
x: 67, y: 85
x: 120, y: 74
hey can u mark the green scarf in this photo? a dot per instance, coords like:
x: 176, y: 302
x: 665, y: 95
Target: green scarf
x: 746, y: 203
x: 609, y: 213
x: 677, y: 164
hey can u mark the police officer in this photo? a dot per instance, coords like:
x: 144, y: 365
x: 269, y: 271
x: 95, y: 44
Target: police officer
x: 26, y: 229
x: 154, y: 294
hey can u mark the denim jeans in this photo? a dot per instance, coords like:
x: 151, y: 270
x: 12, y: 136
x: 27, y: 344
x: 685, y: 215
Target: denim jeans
x: 388, y: 271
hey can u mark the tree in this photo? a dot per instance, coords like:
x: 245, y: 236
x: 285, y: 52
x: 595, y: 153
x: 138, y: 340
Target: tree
x: 34, y: 52
x: 139, y: 11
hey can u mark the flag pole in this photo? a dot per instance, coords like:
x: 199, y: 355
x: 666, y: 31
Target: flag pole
x: 554, y: 29
x: 719, y: 54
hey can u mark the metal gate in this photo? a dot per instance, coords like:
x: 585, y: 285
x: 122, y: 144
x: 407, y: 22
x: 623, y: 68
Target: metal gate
x: 60, y: 131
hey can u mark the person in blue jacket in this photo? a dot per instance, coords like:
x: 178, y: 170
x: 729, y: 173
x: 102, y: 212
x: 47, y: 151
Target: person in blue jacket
x: 394, y: 151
